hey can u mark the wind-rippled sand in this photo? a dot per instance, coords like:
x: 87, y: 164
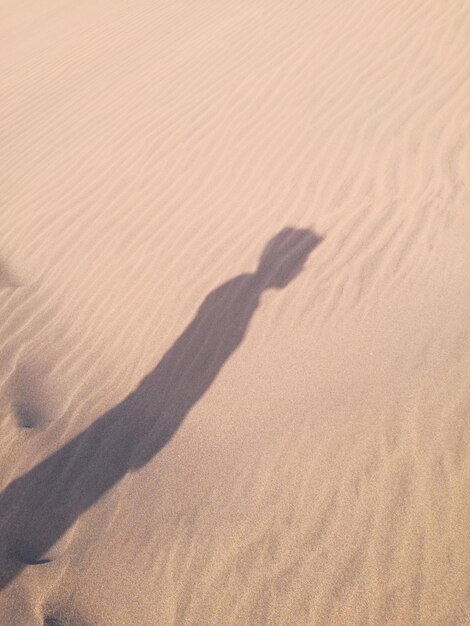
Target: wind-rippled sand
x: 235, y: 313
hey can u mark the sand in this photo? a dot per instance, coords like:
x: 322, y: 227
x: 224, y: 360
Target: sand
x: 235, y: 313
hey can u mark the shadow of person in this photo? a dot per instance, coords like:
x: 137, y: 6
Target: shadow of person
x: 38, y: 508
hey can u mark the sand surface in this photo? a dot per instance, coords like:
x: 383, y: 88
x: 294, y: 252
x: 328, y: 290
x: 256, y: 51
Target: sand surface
x: 235, y: 313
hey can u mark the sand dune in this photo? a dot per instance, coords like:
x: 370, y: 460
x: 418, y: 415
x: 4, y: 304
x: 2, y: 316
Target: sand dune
x: 234, y: 313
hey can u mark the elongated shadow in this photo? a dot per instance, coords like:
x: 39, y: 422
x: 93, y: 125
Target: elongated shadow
x: 39, y: 507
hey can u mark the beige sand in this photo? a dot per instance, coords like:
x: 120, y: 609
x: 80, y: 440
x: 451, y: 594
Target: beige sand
x: 190, y: 435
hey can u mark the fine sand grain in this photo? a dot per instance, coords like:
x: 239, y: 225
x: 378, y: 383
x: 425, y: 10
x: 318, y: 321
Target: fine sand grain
x: 235, y: 313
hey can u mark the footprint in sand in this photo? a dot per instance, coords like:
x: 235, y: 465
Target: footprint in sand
x: 9, y: 278
x: 28, y: 416
x: 33, y: 400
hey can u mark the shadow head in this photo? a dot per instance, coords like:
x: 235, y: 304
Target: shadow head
x: 285, y: 255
